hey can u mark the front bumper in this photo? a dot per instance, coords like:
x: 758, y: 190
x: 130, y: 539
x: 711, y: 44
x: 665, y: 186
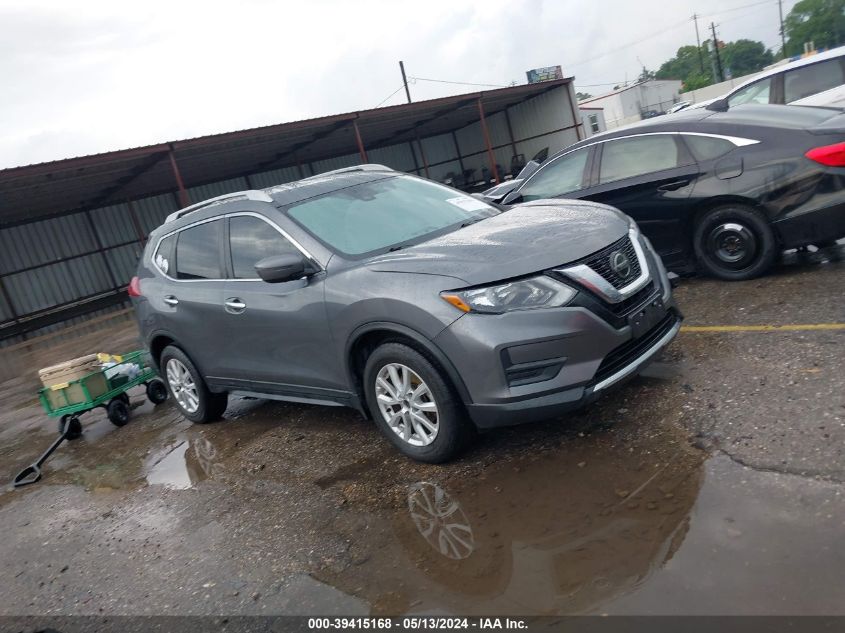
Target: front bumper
x: 560, y: 402
x: 531, y: 365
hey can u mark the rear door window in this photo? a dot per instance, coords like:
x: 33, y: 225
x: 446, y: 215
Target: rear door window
x: 629, y: 157
x: 562, y: 175
x: 198, y: 252
x: 809, y: 80
x: 252, y: 239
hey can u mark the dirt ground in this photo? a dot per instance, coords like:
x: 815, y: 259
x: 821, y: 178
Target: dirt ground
x: 713, y: 484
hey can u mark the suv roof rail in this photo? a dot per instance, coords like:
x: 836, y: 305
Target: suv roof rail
x: 345, y: 170
x: 251, y: 194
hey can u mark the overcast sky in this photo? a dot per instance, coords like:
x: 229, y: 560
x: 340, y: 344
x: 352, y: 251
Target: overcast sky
x: 80, y: 77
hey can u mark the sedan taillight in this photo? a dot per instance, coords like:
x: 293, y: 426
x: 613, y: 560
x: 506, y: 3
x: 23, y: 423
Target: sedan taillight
x: 134, y: 288
x: 830, y: 155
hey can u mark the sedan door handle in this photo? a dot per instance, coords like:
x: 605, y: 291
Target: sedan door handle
x: 673, y: 186
x: 171, y: 300
x: 234, y: 305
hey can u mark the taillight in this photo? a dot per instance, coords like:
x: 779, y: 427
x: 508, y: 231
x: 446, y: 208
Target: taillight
x: 830, y: 155
x: 134, y: 288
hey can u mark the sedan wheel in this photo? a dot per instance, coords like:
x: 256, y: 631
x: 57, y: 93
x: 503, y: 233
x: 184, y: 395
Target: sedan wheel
x: 407, y: 404
x: 182, y: 385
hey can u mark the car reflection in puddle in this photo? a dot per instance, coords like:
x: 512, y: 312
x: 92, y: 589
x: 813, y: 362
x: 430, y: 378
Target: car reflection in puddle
x: 183, y: 464
x: 440, y: 520
x: 565, y: 532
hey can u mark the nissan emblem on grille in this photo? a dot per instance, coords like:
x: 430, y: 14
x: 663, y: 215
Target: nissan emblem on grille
x: 620, y: 264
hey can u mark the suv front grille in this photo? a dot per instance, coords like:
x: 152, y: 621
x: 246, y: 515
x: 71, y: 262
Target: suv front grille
x: 628, y: 352
x: 600, y: 262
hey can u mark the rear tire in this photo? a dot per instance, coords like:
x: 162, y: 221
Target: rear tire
x: 734, y: 242
x: 414, y: 405
x: 188, y: 389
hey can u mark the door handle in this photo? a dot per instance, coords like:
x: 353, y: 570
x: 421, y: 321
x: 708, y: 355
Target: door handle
x: 673, y: 186
x: 171, y: 300
x: 234, y: 305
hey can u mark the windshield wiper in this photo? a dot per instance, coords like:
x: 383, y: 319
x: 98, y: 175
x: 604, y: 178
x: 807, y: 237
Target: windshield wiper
x: 396, y: 248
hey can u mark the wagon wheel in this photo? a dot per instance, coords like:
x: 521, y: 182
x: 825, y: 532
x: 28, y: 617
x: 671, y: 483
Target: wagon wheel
x: 72, y: 423
x: 156, y: 391
x: 118, y: 411
x: 124, y: 396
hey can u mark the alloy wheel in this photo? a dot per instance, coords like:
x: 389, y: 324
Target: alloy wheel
x: 407, y: 404
x: 182, y: 385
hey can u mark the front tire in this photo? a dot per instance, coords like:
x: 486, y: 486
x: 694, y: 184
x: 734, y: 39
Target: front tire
x: 188, y: 389
x: 414, y: 405
x: 734, y: 242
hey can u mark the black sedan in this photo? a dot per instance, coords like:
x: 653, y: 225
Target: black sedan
x: 722, y: 192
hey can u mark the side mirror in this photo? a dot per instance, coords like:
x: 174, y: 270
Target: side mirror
x: 719, y: 105
x: 280, y: 268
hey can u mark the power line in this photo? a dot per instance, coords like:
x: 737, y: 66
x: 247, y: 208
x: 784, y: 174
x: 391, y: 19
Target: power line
x: 458, y: 83
x: 387, y: 98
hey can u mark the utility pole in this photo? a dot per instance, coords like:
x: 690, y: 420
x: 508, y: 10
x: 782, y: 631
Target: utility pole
x: 698, y: 42
x: 782, y: 32
x: 721, y: 76
x: 405, y: 81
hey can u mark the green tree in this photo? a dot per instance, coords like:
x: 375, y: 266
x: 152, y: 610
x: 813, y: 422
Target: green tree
x: 682, y: 65
x: 580, y: 96
x: 697, y: 80
x: 746, y: 56
x: 819, y: 21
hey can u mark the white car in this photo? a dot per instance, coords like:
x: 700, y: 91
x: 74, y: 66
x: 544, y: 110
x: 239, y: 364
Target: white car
x: 818, y: 80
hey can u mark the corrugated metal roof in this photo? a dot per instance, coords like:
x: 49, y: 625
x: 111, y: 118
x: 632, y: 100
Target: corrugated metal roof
x: 97, y: 180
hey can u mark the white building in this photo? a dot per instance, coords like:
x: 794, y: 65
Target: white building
x: 636, y: 102
x: 593, y: 120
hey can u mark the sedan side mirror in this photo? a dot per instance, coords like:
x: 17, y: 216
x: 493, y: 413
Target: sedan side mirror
x: 281, y: 268
x: 719, y: 105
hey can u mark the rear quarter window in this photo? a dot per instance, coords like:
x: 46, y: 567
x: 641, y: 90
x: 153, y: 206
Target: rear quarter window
x: 163, y: 256
x: 706, y: 147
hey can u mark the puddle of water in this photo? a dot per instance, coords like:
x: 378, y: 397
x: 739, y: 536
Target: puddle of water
x: 183, y: 464
x: 606, y: 529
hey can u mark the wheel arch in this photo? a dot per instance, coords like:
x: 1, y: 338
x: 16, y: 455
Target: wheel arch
x: 367, y: 337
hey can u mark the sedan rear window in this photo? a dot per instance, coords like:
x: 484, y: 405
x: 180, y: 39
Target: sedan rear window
x: 386, y: 213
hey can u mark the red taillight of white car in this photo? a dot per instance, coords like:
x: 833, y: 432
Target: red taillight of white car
x: 134, y: 287
x: 830, y: 155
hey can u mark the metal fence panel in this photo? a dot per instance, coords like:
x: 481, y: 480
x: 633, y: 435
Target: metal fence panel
x: 45, y: 241
x: 123, y: 262
x: 214, y: 189
x: 542, y: 114
x: 114, y: 225
x: 439, y: 148
x: 471, y: 138
x: 152, y: 211
x: 398, y: 157
x: 274, y: 177
x: 338, y: 162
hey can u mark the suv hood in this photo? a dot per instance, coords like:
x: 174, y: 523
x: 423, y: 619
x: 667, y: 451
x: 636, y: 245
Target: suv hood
x: 528, y: 238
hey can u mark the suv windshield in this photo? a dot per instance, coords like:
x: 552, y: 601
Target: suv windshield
x: 386, y: 213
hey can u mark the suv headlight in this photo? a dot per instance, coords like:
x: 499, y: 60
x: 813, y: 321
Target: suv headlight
x: 526, y: 294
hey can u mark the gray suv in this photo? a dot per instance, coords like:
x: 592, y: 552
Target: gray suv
x: 433, y: 312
